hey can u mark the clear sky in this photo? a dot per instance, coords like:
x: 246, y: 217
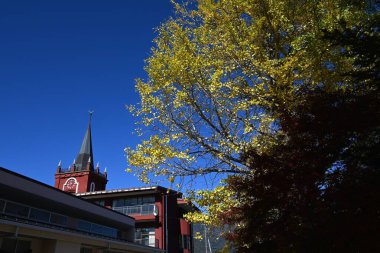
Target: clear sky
x: 58, y: 60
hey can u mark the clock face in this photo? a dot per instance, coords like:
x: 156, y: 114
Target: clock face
x: 70, y: 185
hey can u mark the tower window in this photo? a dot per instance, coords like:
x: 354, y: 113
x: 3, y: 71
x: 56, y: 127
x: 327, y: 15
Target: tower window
x: 92, y: 187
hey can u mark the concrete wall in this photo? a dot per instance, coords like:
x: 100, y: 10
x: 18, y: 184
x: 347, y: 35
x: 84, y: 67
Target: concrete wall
x: 65, y: 247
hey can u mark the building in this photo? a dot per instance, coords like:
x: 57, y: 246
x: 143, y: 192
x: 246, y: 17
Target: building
x: 35, y: 217
x: 158, y: 211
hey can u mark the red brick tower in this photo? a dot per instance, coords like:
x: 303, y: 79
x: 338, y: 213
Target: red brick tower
x: 81, y: 176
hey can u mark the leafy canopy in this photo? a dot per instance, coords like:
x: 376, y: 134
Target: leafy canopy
x: 219, y: 71
x: 230, y: 84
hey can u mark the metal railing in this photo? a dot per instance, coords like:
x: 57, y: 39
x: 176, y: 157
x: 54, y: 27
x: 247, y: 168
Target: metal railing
x: 148, y: 209
x: 22, y: 211
x: 15, y: 211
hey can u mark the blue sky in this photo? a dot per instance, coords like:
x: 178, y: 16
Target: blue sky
x: 60, y: 59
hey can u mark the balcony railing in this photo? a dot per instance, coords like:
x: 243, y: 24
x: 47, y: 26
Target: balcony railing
x: 148, y: 209
x: 15, y: 211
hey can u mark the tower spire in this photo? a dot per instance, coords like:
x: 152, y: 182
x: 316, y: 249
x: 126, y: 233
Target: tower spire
x: 85, y: 155
x: 90, y: 116
x: 82, y: 176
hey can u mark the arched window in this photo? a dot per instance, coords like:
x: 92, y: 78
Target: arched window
x: 92, y: 187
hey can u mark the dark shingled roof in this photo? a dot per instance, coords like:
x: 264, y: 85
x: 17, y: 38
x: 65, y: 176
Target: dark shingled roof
x: 85, y: 151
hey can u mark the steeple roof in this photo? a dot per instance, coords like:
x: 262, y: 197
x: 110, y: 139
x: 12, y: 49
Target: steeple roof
x: 85, y: 153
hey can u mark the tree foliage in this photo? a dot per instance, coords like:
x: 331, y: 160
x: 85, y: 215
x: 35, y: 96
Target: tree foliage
x: 218, y: 73
x: 318, y: 192
x: 282, y: 97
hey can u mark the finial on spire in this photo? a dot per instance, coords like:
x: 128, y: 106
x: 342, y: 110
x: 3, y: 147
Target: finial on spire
x: 89, y: 164
x: 90, y: 115
x: 73, y: 166
x: 105, y: 170
x: 59, y: 167
x: 97, y: 168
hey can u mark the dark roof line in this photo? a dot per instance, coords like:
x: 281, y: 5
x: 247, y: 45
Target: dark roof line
x: 132, y: 189
x: 60, y: 191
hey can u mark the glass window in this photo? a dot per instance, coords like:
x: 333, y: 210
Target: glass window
x: 58, y: 219
x: 148, y: 200
x: 2, y: 204
x: 17, y: 209
x: 147, y: 209
x: 100, y: 202
x: 145, y: 236
x: 97, y: 229
x: 84, y: 225
x: 118, y: 203
x: 131, y: 201
x: 110, y: 232
x: 39, y: 215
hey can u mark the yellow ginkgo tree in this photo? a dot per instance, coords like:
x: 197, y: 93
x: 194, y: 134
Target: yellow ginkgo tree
x: 218, y: 76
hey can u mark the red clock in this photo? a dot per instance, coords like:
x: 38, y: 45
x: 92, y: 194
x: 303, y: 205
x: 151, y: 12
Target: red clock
x: 70, y: 185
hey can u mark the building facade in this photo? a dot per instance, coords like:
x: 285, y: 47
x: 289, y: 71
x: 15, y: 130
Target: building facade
x: 158, y: 211
x: 35, y: 217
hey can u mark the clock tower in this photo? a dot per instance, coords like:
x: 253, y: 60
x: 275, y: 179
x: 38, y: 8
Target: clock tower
x: 81, y: 176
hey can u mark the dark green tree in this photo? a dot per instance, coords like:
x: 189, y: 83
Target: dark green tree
x: 319, y: 192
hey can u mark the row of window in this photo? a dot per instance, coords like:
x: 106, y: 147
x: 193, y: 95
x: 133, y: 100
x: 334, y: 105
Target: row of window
x: 30, y: 213
x: 22, y: 211
x: 86, y: 249
x: 146, y: 236
x: 96, y: 229
x: 133, y: 201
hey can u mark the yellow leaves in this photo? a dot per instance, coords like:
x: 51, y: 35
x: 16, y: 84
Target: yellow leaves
x: 215, y: 202
x: 198, y: 235
x: 216, y: 76
x: 180, y: 99
x: 153, y: 156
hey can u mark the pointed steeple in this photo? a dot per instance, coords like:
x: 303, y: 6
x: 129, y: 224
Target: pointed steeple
x: 85, y: 156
